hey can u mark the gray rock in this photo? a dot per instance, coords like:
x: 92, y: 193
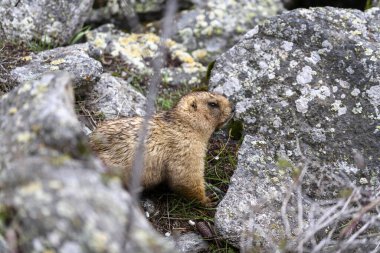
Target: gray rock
x: 3, y: 245
x: 73, y: 59
x: 254, y: 197
x: 212, y: 27
x: 54, y: 22
x: 190, y: 242
x: 306, y: 85
x: 119, y: 13
x: 136, y: 51
x: 116, y: 97
x: 52, y: 182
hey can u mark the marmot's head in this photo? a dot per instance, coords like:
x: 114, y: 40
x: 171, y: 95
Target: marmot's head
x: 204, y: 111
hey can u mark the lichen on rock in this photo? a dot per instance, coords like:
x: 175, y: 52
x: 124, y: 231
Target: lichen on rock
x: 305, y: 83
x: 138, y: 50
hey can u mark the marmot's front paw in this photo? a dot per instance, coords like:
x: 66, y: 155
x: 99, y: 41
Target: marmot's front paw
x: 211, y: 200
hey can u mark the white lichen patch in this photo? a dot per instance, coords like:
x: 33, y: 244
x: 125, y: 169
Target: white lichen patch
x: 71, y: 247
x: 65, y: 210
x: 293, y: 63
x: 53, y: 68
x: 314, y: 58
x: 355, y: 92
x: 350, y: 70
x: 302, y: 104
x: 309, y: 94
x: 305, y: 76
x: 287, y: 46
x: 318, y: 135
x: 277, y: 122
x: 363, y: 181
x: 357, y: 109
x: 232, y: 86
x: 242, y: 106
x: 368, y: 51
x: 374, y: 97
x: 342, y: 83
x: 338, y: 107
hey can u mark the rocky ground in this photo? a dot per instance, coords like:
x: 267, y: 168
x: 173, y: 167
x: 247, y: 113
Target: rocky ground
x: 297, y: 170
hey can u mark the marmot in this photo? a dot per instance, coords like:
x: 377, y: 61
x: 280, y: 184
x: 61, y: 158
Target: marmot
x: 176, y: 144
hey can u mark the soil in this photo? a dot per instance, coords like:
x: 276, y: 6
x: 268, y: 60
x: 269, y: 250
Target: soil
x: 12, y: 55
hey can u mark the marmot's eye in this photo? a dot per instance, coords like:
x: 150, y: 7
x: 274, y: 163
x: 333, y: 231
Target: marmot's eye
x: 213, y: 105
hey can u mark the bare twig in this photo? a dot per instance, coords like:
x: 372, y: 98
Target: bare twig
x: 157, y: 64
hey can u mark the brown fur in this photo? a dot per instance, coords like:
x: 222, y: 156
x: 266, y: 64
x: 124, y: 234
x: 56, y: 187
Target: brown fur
x: 176, y: 144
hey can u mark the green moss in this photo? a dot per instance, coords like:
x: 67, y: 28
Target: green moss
x: 368, y: 5
x: 59, y: 160
x: 100, y: 116
x: 208, y: 73
x: 83, y: 148
x: 284, y: 163
x: 200, y: 88
x: 236, y: 129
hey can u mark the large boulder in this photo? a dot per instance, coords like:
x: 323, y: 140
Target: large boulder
x: 53, y: 194
x: 73, y: 59
x: 306, y: 85
x: 53, y: 22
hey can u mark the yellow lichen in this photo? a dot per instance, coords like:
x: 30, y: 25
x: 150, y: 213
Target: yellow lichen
x: 183, y: 56
x: 55, y: 184
x: 100, y: 43
x: 57, y: 62
x: 31, y: 188
x: 12, y: 110
x: 99, y: 241
x: 25, y: 87
x: 199, y: 53
x: 24, y: 137
x: 26, y: 58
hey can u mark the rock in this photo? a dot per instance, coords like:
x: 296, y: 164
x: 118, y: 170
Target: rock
x: 190, y: 242
x: 255, y: 193
x: 73, y: 59
x: 119, y: 13
x: 136, y: 51
x: 116, y: 97
x: 306, y: 85
x: 52, y: 184
x: 215, y: 25
x: 53, y: 22
x: 3, y: 245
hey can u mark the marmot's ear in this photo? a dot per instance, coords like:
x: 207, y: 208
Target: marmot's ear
x: 194, y: 105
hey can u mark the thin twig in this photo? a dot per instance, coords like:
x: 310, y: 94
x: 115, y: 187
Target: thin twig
x: 158, y: 63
